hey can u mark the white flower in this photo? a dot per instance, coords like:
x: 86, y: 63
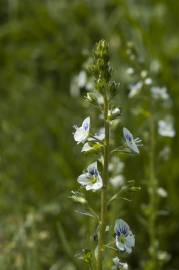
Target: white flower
x: 148, y: 81
x: 159, y: 93
x: 116, y: 165
x: 130, y: 71
x: 125, y: 239
x: 96, y: 146
x: 163, y: 256
x: 165, y: 128
x: 117, y: 181
x: 100, y: 99
x: 99, y: 136
x: 86, y: 147
x: 143, y: 73
x: 135, y: 89
x: 120, y: 265
x: 78, y: 82
x: 114, y: 113
x: 91, y: 179
x: 130, y: 141
x: 82, y: 79
x: 162, y: 192
x: 82, y: 133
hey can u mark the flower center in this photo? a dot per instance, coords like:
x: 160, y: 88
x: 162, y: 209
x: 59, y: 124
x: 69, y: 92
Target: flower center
x: 122, y: 238
x: 93, y: 179
x: 93, y: 171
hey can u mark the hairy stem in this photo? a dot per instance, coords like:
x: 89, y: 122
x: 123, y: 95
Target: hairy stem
x: 104, y: 188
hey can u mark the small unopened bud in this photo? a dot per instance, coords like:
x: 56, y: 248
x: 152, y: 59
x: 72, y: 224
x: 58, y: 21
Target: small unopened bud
x: 113, y: 87
x: 100, y: 85
x: 102, y: 50
x: 114, y: 114
x: 135, y: 188
x: 91, y: 97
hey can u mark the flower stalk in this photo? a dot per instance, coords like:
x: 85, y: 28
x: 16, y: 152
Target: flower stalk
x: 152, y: 262
x: 105, y: 184
x: 152, y: 196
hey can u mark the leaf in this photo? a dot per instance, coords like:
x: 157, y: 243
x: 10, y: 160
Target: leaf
x: 85, y: 213
x: 85, y: 255
x: 78, y: 197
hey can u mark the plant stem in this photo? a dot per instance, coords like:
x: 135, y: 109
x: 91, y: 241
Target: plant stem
x: 104, y: 188
x: 152, y: 196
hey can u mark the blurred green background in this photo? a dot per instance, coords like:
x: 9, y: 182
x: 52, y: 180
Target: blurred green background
x: 43, y: 45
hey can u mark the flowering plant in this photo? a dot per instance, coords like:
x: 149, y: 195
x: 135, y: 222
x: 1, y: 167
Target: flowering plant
x: 155, y: 117
x: 96, y: 176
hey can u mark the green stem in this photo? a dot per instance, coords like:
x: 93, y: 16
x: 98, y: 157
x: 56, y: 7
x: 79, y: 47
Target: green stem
x: 152, y: 195
x: 104, y: 188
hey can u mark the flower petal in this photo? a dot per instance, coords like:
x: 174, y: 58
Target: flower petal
x: 121, y: 226
x: 128, y: 249
x: 86, y: 147
x: 83, y: 179
x: 133, y: 147
x: 98, y: 184
x: 165, y: 128
x: 92, y: 166
x: 127, y: 135
x: 120, y: 265
x: 80, y: 135
x: 159, y: 93
x: 135, y: 89
x: 90, y: 186
x: 86, y: 124
x: 130, y: 140
x: 120, y: 245
x: 130, y: 240
x: 100, y: 135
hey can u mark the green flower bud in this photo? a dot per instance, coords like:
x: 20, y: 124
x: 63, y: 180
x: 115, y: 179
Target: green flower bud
x: 101, y: 68
x: 102, y: 50
x: 113, y: 87
x: 100, y: 85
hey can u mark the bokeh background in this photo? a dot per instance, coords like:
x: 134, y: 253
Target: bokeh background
x: 44, y: 45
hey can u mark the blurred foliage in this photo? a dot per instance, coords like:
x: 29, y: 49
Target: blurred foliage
x: 43, y: 45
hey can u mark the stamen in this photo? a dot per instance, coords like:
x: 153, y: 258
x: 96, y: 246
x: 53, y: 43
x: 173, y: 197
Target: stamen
x: 75, y: 127
x: 137, y: 140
